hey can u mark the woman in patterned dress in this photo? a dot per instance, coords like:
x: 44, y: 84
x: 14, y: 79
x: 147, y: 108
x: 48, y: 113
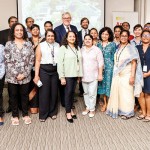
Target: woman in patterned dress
x: 108, y: 48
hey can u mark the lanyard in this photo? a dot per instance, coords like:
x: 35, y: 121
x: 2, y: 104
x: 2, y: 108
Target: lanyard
x: 75, y: 52
x: 117, y: 58
x: 52, y: 49
x: 143, y: 55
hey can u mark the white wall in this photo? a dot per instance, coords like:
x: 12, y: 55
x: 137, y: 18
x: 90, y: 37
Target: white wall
x: 116, y: 5
x: 7, y: 8
x: 147, y: 11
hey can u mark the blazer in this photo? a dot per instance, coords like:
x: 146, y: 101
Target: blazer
x: 61, y: 31
x: 4, y: 34
x: 80, y: 38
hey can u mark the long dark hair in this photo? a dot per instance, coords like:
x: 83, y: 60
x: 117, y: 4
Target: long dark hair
x: 12, y: 37
x: 65, y: 42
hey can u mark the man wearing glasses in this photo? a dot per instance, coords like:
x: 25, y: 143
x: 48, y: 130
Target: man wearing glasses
x: 62, y: 29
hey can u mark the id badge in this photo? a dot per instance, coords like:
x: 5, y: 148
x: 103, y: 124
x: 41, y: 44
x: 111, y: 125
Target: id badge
x: 78, y: 67
x: 54, y: 64
x: 144, y: 68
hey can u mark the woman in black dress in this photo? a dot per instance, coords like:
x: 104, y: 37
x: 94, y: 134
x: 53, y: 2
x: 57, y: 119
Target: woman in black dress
x: 144, y: 52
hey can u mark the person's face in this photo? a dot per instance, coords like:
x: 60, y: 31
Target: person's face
x: 66, y: 19
x: 137, y: 32
x: 12, y: 21
x: 18, y: 32
x: 105, y: 36
x: 71, y: 38
x: 48, y: 26
x: 125, y: 26
x: 146, y: 37
x: 124, y: 38
x: 88, y: 41
x: 30, y: 22
x: 94, y: 34
x: 117, y: 32
x: 50, y: 38
x: 35, y: 31
x: 85, y: 24
x: 147, y: 27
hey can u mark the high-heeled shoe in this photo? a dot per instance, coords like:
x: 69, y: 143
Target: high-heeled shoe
x: 74, y: 116
x: 70, y: 120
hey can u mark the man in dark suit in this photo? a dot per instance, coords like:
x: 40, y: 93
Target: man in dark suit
x: 62, y: 29
x: 4, y: 34
x: 84, y: 24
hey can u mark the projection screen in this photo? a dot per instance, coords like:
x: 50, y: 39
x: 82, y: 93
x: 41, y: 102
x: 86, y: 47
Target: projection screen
x: 51, y: 10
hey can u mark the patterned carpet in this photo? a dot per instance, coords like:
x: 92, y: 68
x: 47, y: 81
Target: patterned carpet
x: 99, y: 133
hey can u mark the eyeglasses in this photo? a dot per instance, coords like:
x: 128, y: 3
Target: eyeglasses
x: 67, y: 18
x: 146, y: 35
x: 147, y: 27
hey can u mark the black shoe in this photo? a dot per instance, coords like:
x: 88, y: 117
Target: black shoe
x: 8, y: 110
x: 70, y: 120
x: 74, y: 116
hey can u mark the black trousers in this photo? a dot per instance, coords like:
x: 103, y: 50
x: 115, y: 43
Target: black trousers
x: 48, y: 94
x: 81, y: 87
x: 1, y: 96
x: 69, y: 93
x: 62, y: 94
x: 23, y: 91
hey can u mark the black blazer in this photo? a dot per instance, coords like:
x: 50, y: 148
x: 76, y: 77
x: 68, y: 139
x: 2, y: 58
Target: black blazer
x: 80, y: 38
x: 4, y: 34
x: 60, y: 32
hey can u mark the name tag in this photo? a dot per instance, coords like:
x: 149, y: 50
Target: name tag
x: 144, y: 68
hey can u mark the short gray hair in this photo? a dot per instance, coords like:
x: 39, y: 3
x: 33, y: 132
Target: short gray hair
x: 66, y: 13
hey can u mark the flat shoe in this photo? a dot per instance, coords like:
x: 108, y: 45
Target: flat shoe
x: 1, y: 123
x: 74, y: 116
x: 91, y: 115
x: 42, y: 120
x: 14, y: 121
x: 85, y: 112
x: 54, y: 117
x: 27, y: 120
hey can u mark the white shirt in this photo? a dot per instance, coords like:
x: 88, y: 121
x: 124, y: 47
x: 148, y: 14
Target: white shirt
x: 67, y: 27
x: 84, y: 31
x: 47, y: 52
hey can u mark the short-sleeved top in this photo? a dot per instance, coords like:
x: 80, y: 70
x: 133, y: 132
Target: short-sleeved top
x: 145, y: 60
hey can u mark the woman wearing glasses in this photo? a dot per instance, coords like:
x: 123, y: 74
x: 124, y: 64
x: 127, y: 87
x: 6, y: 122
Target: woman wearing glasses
x: 46, y: 72
x: 127, y: 79
x: 144, y: 52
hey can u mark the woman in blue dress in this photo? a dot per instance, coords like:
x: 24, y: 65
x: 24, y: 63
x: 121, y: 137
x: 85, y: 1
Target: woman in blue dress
x: 144, y: 99
x: 108, y: 48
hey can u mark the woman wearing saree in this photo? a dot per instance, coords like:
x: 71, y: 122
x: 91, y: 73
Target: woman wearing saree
x: 127, y: 79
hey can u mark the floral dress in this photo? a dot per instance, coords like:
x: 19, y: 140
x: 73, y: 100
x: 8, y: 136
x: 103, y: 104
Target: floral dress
x: 108, y: 54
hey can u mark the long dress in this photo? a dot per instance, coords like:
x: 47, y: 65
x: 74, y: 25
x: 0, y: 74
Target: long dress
x: 108, y: 54
x: 121, y: 101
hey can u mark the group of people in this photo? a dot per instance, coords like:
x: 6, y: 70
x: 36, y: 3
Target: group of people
x: 40, y: 69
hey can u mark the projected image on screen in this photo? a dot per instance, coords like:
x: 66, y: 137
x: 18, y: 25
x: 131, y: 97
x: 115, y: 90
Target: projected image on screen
x: 44, y: 10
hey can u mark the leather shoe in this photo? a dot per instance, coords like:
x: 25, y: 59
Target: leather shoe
x: 8, y: 110
x: 74, y: 116
x: 70, y: 120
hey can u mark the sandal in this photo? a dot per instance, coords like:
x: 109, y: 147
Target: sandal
x: 15, y: 121
x: 146, y: 119
x: 27, y: 120
x: 54, y: 117
x: 125, y: 117
x: 140, y: 117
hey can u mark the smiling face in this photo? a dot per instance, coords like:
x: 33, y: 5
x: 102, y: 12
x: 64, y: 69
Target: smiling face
x: 88, y: 41
x: 146, y: 37
x: 105, y: 36
x: 50, y: 37
x: 66, y: 19
x: 117, y: 32
x: 94, y: 34
x: 71, y: 38
x: 35, y: 31
x: 85, y: 24
x: 124, y: 38
x: 48, y: 26
x: 137, y: 32
x: 18, y: 32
